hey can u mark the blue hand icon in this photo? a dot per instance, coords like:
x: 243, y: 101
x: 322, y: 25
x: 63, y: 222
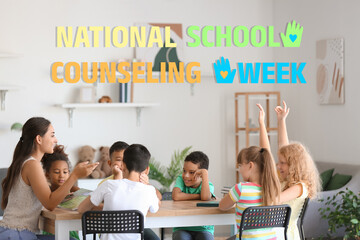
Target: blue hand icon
x: 223, y: 72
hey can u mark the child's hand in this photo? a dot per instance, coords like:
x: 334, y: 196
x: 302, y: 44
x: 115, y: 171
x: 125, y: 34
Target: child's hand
x: 282, y: 112
x: 84, y: 169
x: 116, y: 171
x: 261, y: 114
x: 202, y: 173
x: 144, y: 178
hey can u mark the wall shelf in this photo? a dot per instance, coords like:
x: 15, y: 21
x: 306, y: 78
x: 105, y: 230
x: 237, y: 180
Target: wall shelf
x: 3, y: 90
x: 249, y: 130
x: 70, y: 107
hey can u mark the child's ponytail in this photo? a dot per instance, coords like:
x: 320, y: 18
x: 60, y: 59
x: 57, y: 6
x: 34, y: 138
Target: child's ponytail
x: 269, y: 180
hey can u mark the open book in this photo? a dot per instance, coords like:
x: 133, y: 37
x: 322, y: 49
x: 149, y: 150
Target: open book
x: 72, y: 201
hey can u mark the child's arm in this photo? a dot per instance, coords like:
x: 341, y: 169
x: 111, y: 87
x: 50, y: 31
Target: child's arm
x: 264, y: 139
x: 281, y: 116
x: 291, y: 193
x: 178, y: 195
x: 116, y: 171
x: 144, y: 178
x: 34, y: 176
x: 74, y: 189
x: 226, y: 203
x: 86, y: 205
x: 205, y: 194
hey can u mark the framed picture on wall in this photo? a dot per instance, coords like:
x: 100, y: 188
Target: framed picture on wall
x: 330, y: 79
x: 87, y: 94
x: 157, y: 54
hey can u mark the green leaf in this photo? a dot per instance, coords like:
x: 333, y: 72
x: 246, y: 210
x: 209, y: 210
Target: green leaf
x: 167, y: 176
x: 16, y: 127
x: 354, y: 221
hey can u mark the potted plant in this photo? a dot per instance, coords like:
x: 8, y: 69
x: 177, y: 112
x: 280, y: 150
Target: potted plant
x: 166, y: 176
x: 343, y: 210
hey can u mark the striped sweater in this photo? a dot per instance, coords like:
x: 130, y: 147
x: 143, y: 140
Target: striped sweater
x: 247, y: 194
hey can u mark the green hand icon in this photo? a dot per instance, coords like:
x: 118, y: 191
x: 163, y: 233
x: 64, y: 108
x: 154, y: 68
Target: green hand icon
x: 293, y: 35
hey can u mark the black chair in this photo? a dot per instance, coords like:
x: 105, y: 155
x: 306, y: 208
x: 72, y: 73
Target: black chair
x: 126, y: 221
x: 301, y: 219
x: 265, y: 217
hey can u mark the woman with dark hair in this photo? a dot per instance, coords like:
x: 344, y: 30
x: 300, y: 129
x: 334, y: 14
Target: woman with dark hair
x: 25, y: 188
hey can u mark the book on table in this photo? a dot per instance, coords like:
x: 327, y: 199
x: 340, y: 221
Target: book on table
x: 72, y: 201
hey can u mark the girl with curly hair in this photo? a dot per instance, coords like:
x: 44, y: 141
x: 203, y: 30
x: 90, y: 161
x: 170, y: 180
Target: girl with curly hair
x: 298, y: 174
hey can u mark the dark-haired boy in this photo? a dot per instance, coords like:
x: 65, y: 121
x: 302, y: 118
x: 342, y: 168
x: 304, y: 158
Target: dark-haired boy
x: 194, y: 184
x: 116, y: 153
x: 127, y: 193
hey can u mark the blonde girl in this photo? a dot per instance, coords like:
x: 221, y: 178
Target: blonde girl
x: 25, y: 188
x: 260, y: 187
x: 297, y: 171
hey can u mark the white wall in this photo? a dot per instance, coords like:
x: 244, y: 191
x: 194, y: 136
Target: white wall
x: 205, y: 120
x: 331, y: 132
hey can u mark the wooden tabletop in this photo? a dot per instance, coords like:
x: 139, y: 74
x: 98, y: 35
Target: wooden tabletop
x: 167, y: 208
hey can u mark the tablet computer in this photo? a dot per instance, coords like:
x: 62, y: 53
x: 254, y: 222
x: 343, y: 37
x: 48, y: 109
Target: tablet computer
x: 208, y: 204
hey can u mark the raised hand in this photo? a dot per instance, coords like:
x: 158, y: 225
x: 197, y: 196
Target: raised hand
x: 282, y: 112
x: 116, y: 171
x: 261, y: 114
x: 223, y: 72
x: 144, y: 178
x: 293, y: 35
x: 84, y: 169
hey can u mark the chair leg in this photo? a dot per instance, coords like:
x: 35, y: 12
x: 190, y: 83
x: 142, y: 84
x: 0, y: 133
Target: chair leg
x: 162, y: 233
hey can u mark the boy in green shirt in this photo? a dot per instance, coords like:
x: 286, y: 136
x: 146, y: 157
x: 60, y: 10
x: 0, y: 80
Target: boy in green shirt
x: 194, y: 184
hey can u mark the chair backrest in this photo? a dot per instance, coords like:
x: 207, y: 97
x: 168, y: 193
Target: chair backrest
x: 301, y: 218
x: 3, y: 172
x: 124, y: 221
x: 265, y: 217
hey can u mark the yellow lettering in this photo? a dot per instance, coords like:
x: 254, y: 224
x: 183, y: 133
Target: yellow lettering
x: 150, y: 79
x: 109, y: 73
x: 137, y: 71
x: 85, y: 72
x: 163, y: 72
x: 179, y: 73
x: 95, y: 31
x: 62, y: 35
x: 155, y: 37
x: 54, y: 68
x: 189, y: 74
x: 77, y: 74
x: 107, y: 41
x: 122, y: 71
x: 140, y: 38
x: 125, y: 36
x: 168, y: 43
x: 82, y: 37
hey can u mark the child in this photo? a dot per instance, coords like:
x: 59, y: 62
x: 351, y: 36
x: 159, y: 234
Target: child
x: 194, y: 185
x: 127, y: 193
x: 57, y: 171
x: 57, y: 168
x: 298, y: 174
x: 25, y: 188
x: 261, y: 187
x: 116, y: 153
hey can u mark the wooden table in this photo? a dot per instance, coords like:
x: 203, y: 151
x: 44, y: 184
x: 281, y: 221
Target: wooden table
x: 170, y: 214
